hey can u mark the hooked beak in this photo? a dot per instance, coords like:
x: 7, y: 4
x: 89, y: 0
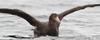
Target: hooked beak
x: 57, y: 19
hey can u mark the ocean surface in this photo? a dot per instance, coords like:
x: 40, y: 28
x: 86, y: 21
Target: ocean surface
x: 80, y: 25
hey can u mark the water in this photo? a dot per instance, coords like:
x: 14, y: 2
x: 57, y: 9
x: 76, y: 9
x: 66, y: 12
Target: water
x: 80, y: 25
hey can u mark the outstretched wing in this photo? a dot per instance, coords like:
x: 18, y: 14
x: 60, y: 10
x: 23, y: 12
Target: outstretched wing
x: 21, y: 14
x: 75, y: 9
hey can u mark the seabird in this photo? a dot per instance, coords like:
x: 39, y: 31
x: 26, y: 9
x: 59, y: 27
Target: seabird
x: 50, y: 28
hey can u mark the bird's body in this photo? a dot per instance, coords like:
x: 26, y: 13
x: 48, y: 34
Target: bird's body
x: 51, y: 27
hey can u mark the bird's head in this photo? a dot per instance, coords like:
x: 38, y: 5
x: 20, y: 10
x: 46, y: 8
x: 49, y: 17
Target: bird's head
x: 54, y: 17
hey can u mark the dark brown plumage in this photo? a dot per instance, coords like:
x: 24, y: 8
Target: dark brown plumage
x: 51, y: 27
